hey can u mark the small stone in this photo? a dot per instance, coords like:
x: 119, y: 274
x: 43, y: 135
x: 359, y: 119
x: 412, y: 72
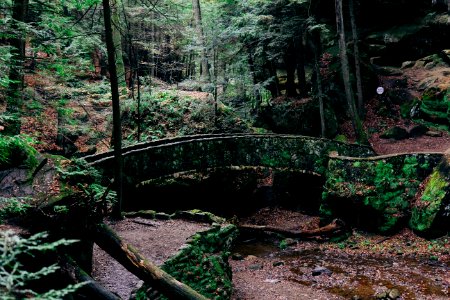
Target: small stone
x: 290, y: 241
x: 356, y: 297
x: 394, y: 294
x: 433, y: 133
x: 381, y: 295
x: 250, y: 257
x: 268, y: 280
x: 407, y: 64
x: 278, y: 263
x: 321, y: 270
x: 237, y: 256
x: 255, y: 267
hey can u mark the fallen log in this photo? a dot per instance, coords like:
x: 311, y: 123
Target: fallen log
x: 145, y: 270
x: 92, y: 289
x: 334, y: 227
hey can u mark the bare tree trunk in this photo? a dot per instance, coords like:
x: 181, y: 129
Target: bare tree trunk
x: 356, y: 122
x: 126, y: 255
x: 199, y: 27
x: 15, y: 86
x: 117, y: 126
x: 289, y: 62
x: 317, y: 53
x: 359, y: 90
x: 301, y: 76
x: 117, y: 38
x: 256, y: 92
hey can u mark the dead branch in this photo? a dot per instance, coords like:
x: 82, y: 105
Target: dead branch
x: 334, y: 227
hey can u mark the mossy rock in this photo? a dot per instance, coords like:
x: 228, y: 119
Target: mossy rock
x: 435, y: 106
x: 374, y: 193
x: 431, y: 210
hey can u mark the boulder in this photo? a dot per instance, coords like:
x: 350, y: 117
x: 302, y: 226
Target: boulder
x: 431, y: 209
x: 418, y: 130
x: 397, y: 133
x: 375, y: 194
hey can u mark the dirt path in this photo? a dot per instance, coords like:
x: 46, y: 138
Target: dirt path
x: 156, y: 241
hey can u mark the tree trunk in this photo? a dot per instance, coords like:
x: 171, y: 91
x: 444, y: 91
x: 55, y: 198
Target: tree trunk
x: 117, y: 38
x: 289, y: 62
x: 201, y: 38
x: 92, y: 289
x: 117, y: 126
x: 126, y: 255
x: 331, y: 229
x: 317, y: 53
x: 301, y: 76
x: 359, y: 90
x: 356, y: 122
x: 256, y: 92
x: 15, y: 87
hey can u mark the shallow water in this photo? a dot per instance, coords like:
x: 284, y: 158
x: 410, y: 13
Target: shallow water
x: 356, y: 274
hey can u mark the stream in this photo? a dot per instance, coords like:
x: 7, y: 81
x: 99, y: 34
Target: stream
x: 357, y: 275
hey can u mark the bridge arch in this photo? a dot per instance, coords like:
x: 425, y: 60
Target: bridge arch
x: 203, y: 153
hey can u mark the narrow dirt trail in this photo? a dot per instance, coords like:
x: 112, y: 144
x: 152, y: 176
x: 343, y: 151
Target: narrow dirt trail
x: 156, y: 241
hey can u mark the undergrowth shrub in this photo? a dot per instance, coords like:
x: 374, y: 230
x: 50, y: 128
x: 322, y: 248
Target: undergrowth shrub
x: 13, y: 207
x: 16, y: 151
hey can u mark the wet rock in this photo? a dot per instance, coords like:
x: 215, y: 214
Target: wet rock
x: 418, y: 130
x: 250, y: 257
x: 407, y: 64
x: 394, y: 294
x: 237, y: 256
x: 396, y: 132
x: 381, y: 296
x: 278, y: 263
x: 255, y: 267
x: 433, y: 133
x: 321, y: 270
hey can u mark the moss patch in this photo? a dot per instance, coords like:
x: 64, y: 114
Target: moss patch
x: 377, y: 192
x: 428, y: 205
x: 203, y: 263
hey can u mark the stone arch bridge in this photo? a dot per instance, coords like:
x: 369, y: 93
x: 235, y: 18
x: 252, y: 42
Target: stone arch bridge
x: 156, y: 161
x: 200, y: 152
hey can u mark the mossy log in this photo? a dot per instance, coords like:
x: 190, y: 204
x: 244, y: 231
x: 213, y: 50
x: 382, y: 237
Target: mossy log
x: 145, y: 270
x: 333, y: 228
x: 92, y: 289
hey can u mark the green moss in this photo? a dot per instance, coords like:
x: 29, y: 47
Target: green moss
x: 203, y: 264
x: 435, y: 106
x: 385, y: 188
x: 16, y: 151
x: 429, y: 204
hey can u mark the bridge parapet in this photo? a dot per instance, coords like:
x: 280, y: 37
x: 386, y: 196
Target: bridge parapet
x: 200, y: 152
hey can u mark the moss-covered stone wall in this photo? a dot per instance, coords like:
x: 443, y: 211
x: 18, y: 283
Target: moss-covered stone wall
x: 378, y: 192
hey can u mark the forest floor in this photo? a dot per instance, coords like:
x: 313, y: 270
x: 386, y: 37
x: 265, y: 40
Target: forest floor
x: 362, y: 266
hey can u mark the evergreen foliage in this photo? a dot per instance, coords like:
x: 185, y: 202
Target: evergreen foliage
x: 14, y: 276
